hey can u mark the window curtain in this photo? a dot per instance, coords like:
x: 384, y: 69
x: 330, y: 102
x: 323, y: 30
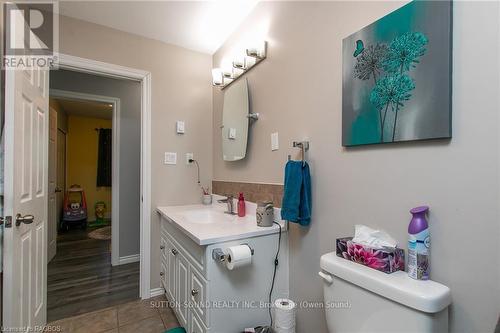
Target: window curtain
x: 104, y: 158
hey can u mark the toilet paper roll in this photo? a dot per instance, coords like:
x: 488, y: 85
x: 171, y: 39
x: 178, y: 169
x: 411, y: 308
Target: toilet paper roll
x: 284, y: 315
x: 238, y: 256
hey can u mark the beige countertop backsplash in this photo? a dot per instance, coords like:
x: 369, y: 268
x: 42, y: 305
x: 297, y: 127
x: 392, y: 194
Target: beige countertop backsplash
x: 252, y: 191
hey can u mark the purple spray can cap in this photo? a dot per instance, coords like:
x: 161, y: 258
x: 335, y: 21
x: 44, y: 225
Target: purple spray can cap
x: 418, y: 221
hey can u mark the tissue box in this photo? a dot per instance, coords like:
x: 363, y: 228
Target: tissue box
x: 384, y: 260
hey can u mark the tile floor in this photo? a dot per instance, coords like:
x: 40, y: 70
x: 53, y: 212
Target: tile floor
x: 148, y: 316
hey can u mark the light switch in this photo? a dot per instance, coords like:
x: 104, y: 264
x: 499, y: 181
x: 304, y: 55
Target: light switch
x: 170, y: 158
x: 181, y: 127
x: 189, y: 156
x: 275, y: 145
x: 232, y: 134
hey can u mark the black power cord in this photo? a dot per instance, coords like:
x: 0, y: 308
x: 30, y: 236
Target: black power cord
x: 197, y: 167
x: 276, y: 262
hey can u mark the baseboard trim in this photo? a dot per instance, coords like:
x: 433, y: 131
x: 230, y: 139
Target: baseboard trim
x: 157, y: 292
x: 129, y: 259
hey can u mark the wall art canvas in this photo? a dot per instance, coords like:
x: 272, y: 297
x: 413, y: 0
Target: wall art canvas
x: 397, y: 77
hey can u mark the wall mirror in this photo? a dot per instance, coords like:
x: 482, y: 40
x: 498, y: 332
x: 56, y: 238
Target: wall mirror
x: 235, y: 121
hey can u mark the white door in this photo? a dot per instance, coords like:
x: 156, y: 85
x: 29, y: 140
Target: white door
x: 61, y: 174
x: 52, y: 213
x: 25, y: 243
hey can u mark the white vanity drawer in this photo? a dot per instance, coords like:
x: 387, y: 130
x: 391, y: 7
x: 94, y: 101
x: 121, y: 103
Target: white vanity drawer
x: 198, y: 293
x: 195, y: 325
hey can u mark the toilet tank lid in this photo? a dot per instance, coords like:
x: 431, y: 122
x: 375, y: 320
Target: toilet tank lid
x: 426, y: 296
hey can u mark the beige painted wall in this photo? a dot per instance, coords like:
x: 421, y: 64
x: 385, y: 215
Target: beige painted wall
x: 180, y: 91
x: 297, y: 91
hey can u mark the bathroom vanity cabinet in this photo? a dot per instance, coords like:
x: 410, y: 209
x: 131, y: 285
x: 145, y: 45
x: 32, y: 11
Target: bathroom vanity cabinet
x: 205, y: 295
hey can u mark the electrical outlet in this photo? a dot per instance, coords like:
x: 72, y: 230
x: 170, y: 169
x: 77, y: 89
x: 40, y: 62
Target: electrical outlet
x: 189, y: 156
x: 170, y: 158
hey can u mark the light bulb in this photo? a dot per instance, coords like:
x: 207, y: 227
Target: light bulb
x: 257, y: 50
x: 239, y: 61
x: 217, y: 79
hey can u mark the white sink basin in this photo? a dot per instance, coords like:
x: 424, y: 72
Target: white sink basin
x: 203, y: 216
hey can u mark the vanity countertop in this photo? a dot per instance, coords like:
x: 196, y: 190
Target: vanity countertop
x: 208, y: 224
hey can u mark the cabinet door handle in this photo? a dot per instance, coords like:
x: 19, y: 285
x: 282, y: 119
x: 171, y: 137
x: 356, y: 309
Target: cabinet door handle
x: 174, y: 252
x: 194, y: 292
x: 161, y: 273
x: 162, y: 247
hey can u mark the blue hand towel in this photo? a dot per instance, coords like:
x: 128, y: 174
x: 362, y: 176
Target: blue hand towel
x: 296, y: 206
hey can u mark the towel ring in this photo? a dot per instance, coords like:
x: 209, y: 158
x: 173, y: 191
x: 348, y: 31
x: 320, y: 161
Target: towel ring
x: 304, y: 146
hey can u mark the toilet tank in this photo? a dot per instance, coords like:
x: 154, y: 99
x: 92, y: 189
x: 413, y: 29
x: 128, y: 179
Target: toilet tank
x: 360, y: 299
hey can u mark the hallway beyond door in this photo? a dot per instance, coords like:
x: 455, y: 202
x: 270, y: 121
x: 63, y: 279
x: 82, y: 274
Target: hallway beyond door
x: 81, y: 279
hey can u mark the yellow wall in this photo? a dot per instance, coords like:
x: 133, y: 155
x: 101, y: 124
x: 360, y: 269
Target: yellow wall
x: 82, y: 141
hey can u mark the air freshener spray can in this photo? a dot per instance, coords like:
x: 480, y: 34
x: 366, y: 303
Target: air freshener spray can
x: 418, y: 244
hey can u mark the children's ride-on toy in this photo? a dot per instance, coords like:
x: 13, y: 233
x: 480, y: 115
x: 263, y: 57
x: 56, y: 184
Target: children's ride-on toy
x: 74, y: 208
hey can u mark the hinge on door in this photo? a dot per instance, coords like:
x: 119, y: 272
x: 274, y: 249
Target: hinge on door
x: 6, y: 221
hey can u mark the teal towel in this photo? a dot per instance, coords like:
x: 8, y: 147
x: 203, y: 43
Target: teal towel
x: 176, y: 330
x: 296, y: 205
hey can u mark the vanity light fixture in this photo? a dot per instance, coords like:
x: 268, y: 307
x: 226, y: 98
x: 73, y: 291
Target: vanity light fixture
x: 217, y: 77
x: 241, y: 64
x: 257, y: 51
x: 227, y: 73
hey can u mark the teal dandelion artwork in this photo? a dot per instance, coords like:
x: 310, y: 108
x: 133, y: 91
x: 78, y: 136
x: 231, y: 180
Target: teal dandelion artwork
x: 397, y: 77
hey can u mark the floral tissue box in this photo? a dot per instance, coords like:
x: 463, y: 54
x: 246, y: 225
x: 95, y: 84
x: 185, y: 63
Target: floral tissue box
x: 385, y: 260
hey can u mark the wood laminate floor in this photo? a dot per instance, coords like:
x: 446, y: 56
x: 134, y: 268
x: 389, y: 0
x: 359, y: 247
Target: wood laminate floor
x: 80, y: 278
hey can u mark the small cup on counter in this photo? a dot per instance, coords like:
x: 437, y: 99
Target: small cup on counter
x: 207, y: 199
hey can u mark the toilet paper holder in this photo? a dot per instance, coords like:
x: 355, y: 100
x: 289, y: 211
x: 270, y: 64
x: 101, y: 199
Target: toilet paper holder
x: 219, y: 255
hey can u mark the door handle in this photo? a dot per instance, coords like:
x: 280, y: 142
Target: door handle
x: 194, y: 292
x: 57, y: 190
x: 174, y: 252
x: 26, y: 219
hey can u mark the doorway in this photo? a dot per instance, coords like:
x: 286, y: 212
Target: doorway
x: 21, y: 311
x: 81, y: 277
x: 60, y: 172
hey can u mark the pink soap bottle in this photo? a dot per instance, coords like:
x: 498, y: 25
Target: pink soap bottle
x: 241, y: 206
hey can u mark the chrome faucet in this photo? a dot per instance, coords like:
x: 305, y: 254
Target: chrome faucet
x: 230, y: 204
